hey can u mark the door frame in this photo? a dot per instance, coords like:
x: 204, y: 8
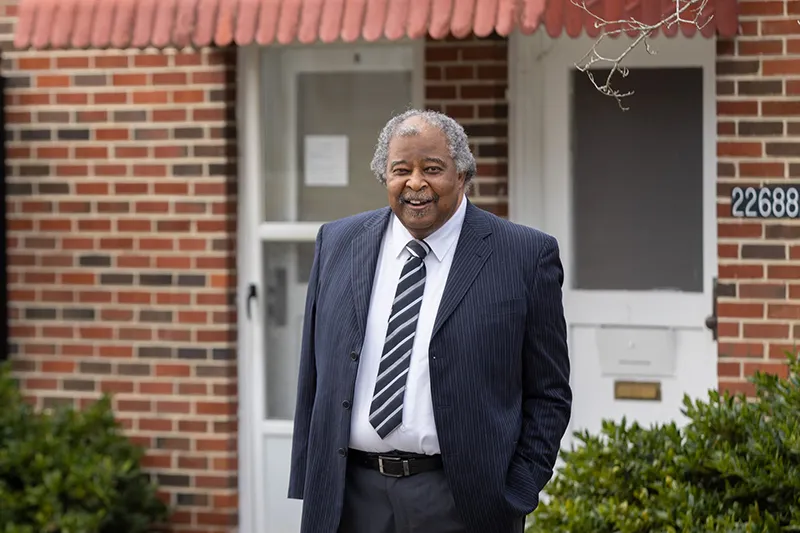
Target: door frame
x: 254, y: 150
x: 532, y: 199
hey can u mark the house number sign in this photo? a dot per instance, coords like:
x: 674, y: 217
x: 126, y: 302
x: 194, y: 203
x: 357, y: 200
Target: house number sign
x: 773, y: 201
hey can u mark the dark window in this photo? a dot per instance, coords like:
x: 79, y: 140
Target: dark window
x: 637, y: 186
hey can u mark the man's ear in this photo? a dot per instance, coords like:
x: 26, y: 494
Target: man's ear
x: 462, y: 176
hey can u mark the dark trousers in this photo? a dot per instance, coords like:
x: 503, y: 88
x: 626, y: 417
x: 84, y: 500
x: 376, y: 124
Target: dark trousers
x: 422, y: 503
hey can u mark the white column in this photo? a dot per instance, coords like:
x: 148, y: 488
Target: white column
x: 249, y: 139
x: 526, y: 99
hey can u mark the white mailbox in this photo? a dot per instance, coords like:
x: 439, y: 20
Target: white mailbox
x: 637, y: 351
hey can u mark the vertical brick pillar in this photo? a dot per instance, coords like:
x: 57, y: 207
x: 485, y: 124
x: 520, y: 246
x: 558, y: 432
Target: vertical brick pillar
x: 758, y: 105
x: 468, y: 80
x: 121, y: 235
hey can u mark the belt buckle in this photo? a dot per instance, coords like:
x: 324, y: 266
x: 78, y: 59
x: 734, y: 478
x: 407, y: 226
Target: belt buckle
x: 382, y: 460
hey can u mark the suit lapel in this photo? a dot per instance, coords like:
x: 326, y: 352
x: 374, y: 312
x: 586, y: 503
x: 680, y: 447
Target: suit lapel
x: 472, y: 251
x: 365, y: 249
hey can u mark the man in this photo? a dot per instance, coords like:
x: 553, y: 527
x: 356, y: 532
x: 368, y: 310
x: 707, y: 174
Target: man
x: 434, y: 374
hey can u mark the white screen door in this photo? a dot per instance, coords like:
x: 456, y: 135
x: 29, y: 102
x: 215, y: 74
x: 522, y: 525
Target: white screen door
x: 631, y: 197
x: 324, y: 108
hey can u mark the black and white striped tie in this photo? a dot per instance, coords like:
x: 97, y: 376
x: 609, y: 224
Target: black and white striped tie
x: 386, y: 410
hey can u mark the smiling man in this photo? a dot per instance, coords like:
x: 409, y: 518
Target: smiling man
x: 434, y: 375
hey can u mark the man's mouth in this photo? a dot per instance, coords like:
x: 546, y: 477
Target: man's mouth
x: 417, y: 203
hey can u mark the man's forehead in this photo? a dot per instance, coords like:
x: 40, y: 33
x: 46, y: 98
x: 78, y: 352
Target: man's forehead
x: 418, y: 148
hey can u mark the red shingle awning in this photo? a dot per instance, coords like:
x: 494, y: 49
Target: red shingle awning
x: 180, y: 23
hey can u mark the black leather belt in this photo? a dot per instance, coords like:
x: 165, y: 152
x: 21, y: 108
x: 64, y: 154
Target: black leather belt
x: 396, y: 464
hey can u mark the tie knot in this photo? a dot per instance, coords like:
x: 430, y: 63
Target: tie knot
x: 418, y: 248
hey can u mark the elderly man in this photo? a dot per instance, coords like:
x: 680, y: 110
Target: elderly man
x: 434, y: 374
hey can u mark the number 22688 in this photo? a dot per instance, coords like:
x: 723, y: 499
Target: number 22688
x: 765, y: 202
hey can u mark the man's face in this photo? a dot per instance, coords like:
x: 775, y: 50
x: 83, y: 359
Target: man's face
x: 421, y: 178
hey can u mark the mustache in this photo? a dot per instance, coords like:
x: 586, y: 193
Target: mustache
x: 419, y: 197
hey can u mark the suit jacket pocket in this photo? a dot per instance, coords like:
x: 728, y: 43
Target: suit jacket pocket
x: 521, y: 494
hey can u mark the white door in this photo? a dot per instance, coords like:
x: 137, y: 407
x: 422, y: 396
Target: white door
x: 323, y: 110
x: 631, y: 197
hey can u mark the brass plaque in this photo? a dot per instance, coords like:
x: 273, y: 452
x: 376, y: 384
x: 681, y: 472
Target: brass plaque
x: 649, y: 391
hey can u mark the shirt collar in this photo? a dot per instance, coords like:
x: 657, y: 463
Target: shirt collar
x: 441, y: 241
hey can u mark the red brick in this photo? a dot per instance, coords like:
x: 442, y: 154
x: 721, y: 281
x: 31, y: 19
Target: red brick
x: 737, y: 387
x: 766, y: 47
x: 61, y: 367
x: 783, y: 272
x: 188, y: 97
x: 737, y: 107
x: 173, y: 370
x: 780, y: 350
x: 780, y: 108
x: 50, y: 81
x: 766, y: 331
x: 793, y: 46
x: 150, y: 97
x: 69, y: 62
x: 728, y: 329
x: 35, y: 63
x: 150, y: 60
x: 779, y: 27
x: 778, y: 369
x: 762, y: 291
x: 749, y: 8
x: 739, y: 149
x: 740, y: 229
x: 761, y: 169
x: 729, y: 369
x: 110, y: 61
x: 740, y: 310
x: 129, y: 79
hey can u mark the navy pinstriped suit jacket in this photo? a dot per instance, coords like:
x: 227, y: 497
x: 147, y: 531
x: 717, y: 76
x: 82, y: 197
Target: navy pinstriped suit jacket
x: 498, y: 361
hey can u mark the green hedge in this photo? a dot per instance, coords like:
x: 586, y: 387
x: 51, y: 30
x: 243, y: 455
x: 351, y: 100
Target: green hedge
x: 733, y: 468
x: 70, y: 471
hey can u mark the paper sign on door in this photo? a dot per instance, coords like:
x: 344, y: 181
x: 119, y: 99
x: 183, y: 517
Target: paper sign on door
x: 326, y: 160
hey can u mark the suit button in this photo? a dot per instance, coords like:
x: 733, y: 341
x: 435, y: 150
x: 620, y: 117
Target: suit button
x: 346, y: 404
x: 342, y: 452
x: 354, y: 356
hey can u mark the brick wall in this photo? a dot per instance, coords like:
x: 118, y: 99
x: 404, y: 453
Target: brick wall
x: 759, y: 143
x: 121, y: 235
x: 468, y: 80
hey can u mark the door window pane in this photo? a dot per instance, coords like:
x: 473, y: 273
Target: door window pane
x: 638, y: 182
x: 287, y: 267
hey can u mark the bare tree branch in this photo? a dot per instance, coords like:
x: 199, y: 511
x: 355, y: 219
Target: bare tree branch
x: 685, y: 12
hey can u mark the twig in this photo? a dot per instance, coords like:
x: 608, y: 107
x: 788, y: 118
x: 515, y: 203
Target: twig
x: 681, y: 15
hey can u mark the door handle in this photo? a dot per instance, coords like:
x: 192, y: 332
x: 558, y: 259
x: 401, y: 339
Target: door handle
x: 712, y: 321
x: 252, y: 294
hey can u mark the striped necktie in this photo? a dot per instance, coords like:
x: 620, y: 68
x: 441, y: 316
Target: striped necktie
x: 386, y: 410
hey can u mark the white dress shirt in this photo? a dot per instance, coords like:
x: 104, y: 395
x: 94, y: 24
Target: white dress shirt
x: 417, y: 433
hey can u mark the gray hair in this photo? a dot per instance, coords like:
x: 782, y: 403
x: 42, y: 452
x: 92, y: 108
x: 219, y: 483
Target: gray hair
x: 457, y: 142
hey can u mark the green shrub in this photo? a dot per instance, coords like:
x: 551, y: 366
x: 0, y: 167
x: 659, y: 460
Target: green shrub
x: 734, y: 467
x: 70, y: 471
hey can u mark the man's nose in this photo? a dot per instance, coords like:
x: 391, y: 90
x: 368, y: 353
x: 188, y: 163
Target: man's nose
x: 416, y: 181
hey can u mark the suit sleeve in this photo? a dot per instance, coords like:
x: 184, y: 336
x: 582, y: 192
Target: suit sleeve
x: 306, y: 382
x: 547, y: 396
